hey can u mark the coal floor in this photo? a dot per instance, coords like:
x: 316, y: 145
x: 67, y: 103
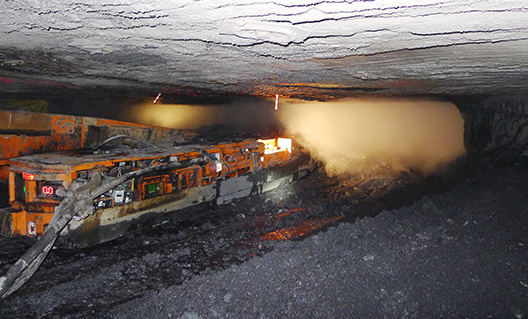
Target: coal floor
x: 318, y: 248
x: 167, y: 251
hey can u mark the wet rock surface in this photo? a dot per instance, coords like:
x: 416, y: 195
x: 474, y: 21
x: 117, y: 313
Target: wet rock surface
x: 306, y: 250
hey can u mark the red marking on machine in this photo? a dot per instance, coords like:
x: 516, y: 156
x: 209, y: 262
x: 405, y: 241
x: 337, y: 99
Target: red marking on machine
x: 28, y: 176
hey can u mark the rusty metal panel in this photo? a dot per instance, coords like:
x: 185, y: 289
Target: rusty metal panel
x: 25, y: 122
x: 19, y: 223
x: 23, y: 133
x: 63, y: 124
x: 18, y: 145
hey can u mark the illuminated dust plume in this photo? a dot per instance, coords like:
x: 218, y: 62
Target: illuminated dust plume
x: 417, y: 134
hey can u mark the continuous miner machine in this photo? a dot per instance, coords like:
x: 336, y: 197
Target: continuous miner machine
x: 80, y: 179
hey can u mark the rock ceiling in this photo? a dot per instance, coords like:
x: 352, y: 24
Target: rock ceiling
x: 302, y: 49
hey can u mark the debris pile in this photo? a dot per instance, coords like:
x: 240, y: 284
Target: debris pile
x: 371, y: 177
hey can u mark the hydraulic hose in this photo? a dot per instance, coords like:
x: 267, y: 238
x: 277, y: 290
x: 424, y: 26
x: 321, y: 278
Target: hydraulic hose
x: 121, y: 137
x: 28, y: 264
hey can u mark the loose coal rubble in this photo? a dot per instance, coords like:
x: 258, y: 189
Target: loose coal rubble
x: 461, y: 252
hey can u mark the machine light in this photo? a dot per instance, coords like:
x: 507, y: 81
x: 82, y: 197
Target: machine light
x: 28, y: 176
x: 157, y: 98
x: 285, y: 143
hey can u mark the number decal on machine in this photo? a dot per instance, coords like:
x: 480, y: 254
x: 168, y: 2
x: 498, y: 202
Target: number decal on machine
x: 48, y: 190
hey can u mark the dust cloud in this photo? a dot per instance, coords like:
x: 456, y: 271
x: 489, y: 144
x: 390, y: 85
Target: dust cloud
x: 419, y: 134
x: 241, y: 115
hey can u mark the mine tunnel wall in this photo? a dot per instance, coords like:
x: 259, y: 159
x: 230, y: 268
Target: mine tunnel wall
x: 496, y: 128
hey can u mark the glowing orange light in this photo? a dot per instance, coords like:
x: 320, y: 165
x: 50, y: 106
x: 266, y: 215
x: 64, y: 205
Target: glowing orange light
x: 302, y: 229
x: 290, y: 212
x: 276, y: 145
x: 28, y: 176
x: 284, y: 143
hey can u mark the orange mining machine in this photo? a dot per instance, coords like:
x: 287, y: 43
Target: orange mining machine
x: 94, y: 189
x: 115, y: 186
x: 24, y: 133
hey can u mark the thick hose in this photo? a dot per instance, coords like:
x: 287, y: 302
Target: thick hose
x: 28, y: 264
x: 118, y: 137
